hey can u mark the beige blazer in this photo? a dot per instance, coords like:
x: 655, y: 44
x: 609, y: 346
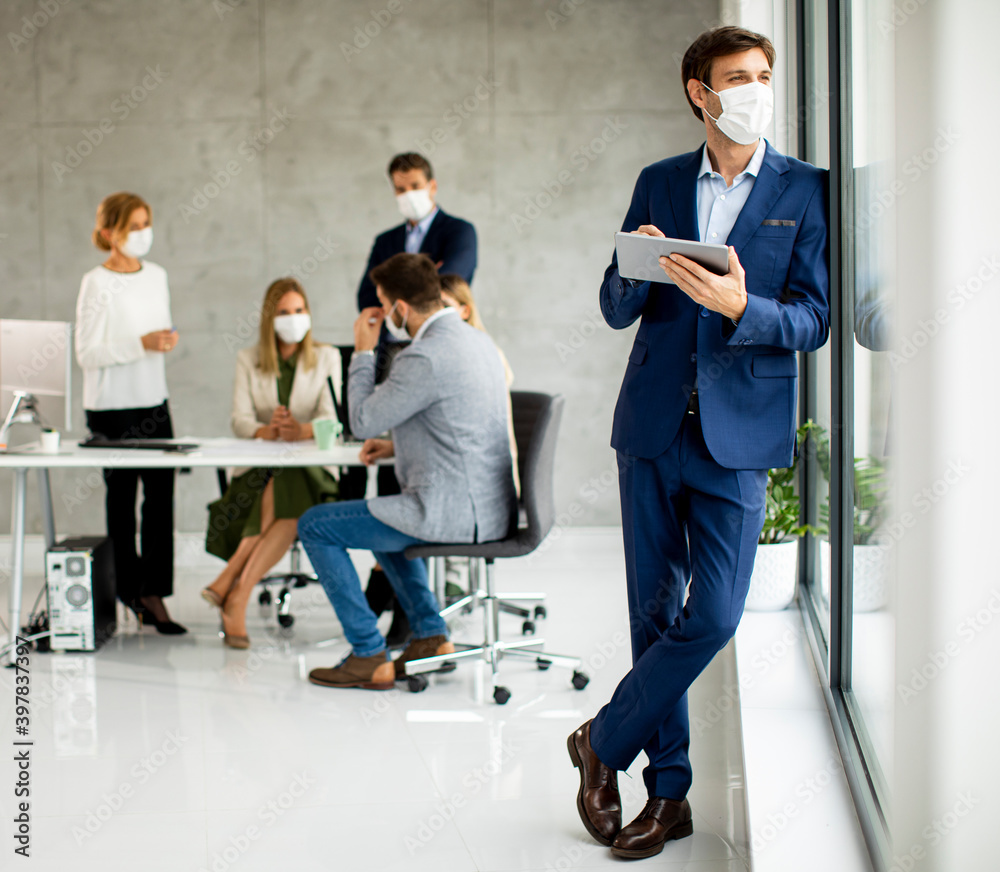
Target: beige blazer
x: 255, y: 395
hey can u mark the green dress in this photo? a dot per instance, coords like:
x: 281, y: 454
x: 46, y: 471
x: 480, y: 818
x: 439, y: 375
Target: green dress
x: 237, y: 513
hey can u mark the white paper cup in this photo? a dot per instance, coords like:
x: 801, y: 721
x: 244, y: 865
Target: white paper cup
x: 50, y: 441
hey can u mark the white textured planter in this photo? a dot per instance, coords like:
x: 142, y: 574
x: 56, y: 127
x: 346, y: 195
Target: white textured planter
x: 772, y: 584
x: 871, y: 576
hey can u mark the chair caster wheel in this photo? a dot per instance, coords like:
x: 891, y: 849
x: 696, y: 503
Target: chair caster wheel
x: 543, y: 665
x: 540, y: 613
x: 528, y: 628
x: 501, y: 695
x: 286, y: 620
x: 580, y: 680
x: 416, y: 683
x: 265, y: 598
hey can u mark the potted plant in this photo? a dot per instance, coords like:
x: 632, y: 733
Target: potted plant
x: 775, y: 568
x: 870, y: 557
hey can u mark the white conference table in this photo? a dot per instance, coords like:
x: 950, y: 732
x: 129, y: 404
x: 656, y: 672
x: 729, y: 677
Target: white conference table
x: 213, y: 453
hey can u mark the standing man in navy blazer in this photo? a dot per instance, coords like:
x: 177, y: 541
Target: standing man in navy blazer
x: 706, y: 407
x: 448, y: 241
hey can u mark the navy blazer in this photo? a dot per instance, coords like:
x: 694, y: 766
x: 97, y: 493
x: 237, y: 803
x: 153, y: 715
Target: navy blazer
x: 449, y: 239
x: 745, y: 375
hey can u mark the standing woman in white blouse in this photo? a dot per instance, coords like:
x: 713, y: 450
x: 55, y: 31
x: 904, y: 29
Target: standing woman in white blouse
x: 123, y: 331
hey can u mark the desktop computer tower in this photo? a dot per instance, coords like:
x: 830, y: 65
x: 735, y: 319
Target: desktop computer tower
x: 80, y: 582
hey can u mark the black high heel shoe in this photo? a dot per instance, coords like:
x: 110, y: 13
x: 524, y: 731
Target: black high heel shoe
x: 169, y: 628
x: 145, y: 616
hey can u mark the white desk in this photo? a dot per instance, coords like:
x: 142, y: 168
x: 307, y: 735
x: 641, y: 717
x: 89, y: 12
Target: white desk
x: 212, y: 453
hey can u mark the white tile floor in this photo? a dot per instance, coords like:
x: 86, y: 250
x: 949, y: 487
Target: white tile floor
x: 174, y: 753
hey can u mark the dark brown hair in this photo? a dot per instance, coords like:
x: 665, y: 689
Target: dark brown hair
x: 717, y: 43
x: 412, y: 278
x: 410, y: 160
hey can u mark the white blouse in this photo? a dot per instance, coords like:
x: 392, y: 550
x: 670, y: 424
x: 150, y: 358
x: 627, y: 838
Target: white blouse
x: 113, y: 312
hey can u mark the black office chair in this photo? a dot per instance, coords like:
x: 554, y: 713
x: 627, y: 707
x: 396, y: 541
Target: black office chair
x: 536, y: 426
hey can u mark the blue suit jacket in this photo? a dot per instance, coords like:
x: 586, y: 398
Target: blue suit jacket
x: 448, y: 239
x: 746, y: 375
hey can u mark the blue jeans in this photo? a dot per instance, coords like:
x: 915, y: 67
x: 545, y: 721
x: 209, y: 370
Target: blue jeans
x: 327, y: 531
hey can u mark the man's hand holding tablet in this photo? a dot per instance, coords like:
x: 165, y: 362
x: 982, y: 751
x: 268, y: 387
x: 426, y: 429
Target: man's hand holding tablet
x: 726, y: 294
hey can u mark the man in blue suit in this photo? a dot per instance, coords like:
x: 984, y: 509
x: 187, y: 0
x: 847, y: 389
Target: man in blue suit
x: 448, y: 241
x: 706, y: 407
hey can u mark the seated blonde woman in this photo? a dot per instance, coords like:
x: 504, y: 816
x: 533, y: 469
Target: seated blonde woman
x: 281, y: 386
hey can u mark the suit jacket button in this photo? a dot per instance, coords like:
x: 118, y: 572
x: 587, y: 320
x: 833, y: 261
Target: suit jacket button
x: 694, y: 358
x: 704, y: 313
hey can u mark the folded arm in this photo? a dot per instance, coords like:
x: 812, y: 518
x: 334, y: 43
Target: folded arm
x: 458, y: 255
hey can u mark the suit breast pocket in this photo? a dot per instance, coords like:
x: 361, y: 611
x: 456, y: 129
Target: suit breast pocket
x: 638, y: 354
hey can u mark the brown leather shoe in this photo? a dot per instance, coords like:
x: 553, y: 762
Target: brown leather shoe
x: 371, y: 673
x: 432, y: 646
x: 659, y: 822
x: 598, y: 801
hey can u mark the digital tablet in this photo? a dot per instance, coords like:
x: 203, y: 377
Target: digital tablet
x: 639, y: 256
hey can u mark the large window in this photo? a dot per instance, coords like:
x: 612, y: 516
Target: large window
x: 872, y: 247
x: 845, y: 87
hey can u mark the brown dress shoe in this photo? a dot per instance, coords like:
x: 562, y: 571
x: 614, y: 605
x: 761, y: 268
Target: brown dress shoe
x: 598, y: 801
x: 432, y: 646
x: 659, y: 822
x: 371, y: 673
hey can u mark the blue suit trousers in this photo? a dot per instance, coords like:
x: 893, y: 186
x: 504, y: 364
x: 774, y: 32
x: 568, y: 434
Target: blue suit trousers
x: 684, y: 517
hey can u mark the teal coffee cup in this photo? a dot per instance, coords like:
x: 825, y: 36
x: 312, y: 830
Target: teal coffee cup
x: 326, y: 431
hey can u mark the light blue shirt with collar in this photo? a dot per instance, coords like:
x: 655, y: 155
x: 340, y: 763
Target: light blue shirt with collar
x: 415, y: 233
x: 719, y: 206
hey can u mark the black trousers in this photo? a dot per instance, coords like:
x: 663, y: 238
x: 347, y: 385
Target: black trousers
x: 149, y: 572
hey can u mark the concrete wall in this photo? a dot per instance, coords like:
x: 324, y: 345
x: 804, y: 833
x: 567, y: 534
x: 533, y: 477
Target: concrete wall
x: 293, y: 109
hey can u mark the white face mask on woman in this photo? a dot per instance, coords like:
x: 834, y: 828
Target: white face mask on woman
x: 746, y: 111
x: 292, y: 328
x: 138, y: 243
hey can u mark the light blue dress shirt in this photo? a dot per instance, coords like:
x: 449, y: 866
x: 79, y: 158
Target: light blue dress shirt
x: 415, y: 234
x: 719, y: 206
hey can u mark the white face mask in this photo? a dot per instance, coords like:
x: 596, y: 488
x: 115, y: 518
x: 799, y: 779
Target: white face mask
x: 138, y: 243
x: 746, y: 111
x: 415, y: 205
x: 292, y: 328
x: 399, y: 332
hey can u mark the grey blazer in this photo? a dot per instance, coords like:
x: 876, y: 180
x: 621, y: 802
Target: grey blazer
x: 445, y: 401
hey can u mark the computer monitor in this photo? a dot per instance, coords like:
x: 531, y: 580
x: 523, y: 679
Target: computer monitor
x: 36, y: 359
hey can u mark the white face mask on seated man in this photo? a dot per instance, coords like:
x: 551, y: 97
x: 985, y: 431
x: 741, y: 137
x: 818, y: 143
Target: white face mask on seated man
x: 396, y: 331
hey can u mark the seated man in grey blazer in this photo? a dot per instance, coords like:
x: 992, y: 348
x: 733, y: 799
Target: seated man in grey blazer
x: 445, y: 403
